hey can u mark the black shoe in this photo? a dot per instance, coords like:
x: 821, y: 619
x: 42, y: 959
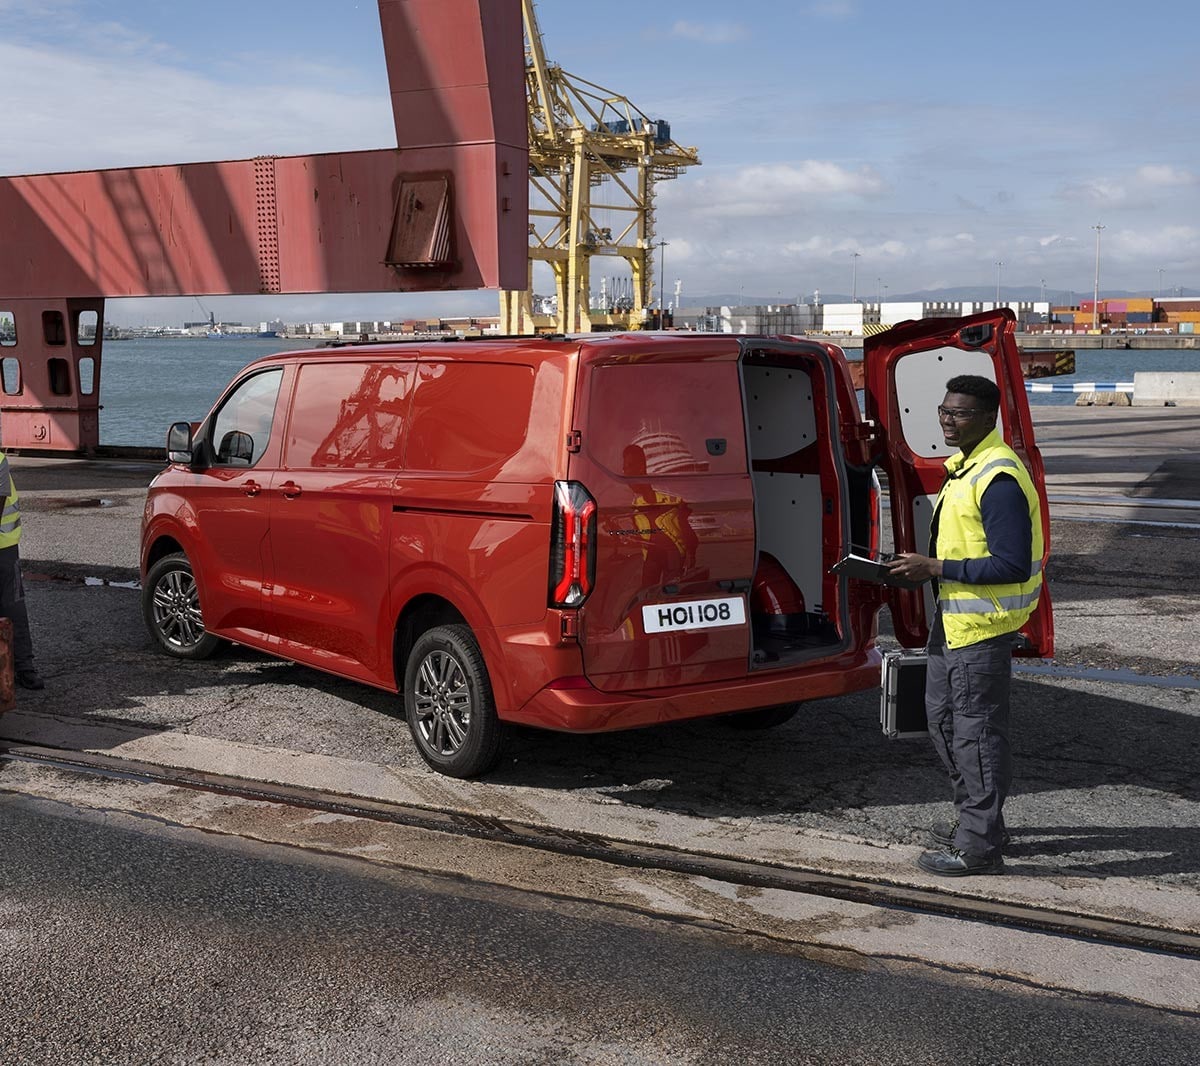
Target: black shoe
x: 955, y: 863
x: 942, y: 834
x: 29, y: 679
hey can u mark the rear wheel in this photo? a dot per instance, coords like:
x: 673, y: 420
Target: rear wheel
x: 763, y: 718
x: 449, y: 704
x: 171, y: 608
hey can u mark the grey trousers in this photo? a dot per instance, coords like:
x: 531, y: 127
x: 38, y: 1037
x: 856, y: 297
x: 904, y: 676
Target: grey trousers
x: 12, y: 606
x: 966, y: 706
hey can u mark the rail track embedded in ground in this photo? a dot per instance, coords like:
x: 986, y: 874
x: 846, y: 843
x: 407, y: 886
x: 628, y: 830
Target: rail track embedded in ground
x: 635, y: 855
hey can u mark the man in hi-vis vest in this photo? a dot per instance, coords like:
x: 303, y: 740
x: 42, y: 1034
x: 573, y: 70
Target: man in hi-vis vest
x: 12, y: 591
x: 985, y: 560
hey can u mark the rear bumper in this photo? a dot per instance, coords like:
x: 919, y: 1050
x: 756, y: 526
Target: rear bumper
x: 588, y: 710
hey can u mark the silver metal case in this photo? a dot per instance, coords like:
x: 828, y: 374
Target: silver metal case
x: 902, y: 703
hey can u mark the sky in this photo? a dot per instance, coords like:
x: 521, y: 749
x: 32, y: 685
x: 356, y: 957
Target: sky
x: 948, y: 144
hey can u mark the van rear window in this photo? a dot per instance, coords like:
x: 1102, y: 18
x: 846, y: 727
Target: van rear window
x: 665, y: 419
x: 349, y: 415
x: 469, y: 417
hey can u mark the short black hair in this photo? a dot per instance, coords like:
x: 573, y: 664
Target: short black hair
x: 980, y: 388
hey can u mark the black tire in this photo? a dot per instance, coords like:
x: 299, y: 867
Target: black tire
x: 171, y: 608
x: 763, y: 718
x: 449, y: 704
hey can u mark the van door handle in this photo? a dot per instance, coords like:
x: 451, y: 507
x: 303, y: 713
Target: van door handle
x: 290, y: 490
x: 251, y: 487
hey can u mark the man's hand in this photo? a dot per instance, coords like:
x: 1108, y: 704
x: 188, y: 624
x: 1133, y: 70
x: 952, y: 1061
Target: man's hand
x: 913, y: 567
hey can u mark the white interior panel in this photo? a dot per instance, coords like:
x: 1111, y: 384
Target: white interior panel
x: 921, y: 385
x: 922, y: 519
x: 779, y: 408
x: 787, y: 510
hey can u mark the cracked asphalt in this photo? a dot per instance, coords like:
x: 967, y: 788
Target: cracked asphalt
x: 1106, y: 778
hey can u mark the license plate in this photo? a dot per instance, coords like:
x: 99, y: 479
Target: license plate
x: 694, y: 614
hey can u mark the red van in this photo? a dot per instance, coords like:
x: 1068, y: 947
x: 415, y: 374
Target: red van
x: 579, y: 533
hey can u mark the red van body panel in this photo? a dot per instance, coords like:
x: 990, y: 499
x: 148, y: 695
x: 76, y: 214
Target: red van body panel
x: 395, y: 488
x: 675, y: 522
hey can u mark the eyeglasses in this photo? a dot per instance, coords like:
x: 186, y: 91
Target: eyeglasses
x: 958, y: 414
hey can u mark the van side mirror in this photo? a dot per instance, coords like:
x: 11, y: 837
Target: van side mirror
x: 237, y: 448
x: 179, y: 443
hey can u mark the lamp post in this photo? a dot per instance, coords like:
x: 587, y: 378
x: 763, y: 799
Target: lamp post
x: 1096, y: 289
x: 662, y: 277
x: 998, y: 267
x: 854, y: 257
x: 879, y: 291
x: 1043, y: 290
x: 1160, y: 276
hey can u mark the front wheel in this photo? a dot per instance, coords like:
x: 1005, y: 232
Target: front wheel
x: 171, y: 608
x: 449, y: 704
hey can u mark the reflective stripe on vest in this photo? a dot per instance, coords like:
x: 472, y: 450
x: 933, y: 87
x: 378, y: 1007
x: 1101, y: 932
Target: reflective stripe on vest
x: 10, y: 519
x: 971, y: 613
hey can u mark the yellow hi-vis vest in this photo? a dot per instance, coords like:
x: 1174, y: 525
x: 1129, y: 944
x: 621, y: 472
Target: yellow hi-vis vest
x: 971, y: 613
x: 10, y: 520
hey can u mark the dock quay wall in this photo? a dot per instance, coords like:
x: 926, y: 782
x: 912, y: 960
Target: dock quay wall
x: 1154, y: 388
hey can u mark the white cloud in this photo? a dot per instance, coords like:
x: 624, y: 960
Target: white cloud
x: 776, y: 189
x: 1165, y: 175
x: 710, y: 32
x: 1163, y: 244
x: 168, y: 115
x: 951, y: 243
x: 1100, y: 192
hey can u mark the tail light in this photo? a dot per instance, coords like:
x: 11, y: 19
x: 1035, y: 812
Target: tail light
x: 572, y: 545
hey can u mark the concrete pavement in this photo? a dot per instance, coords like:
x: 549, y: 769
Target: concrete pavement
x: 1106, y: 812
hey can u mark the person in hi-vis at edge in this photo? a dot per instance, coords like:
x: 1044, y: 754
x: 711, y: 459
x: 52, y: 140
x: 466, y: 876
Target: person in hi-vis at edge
x: 12, y: 591
x: 986, y: 546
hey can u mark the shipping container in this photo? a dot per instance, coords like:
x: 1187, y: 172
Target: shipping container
x: 1139, y: 303
x: 1138, y: 317
x: 1116, y: 306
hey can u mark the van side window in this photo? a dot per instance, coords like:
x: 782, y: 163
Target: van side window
x: 665, y: 419
x: 242, y: 427
x: 470, y: 417
x: 349, y: 415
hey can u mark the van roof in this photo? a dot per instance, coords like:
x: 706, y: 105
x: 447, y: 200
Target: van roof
x: 600, y: 347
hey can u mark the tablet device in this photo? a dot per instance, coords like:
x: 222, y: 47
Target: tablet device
x: 865, y: 569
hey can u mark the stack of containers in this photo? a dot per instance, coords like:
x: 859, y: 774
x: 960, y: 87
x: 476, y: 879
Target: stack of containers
x: 1139, y: 311
x: 1181, y: 313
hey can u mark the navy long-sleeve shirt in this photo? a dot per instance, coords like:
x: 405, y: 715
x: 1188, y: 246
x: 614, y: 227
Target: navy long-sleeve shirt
x: 1009, y: 531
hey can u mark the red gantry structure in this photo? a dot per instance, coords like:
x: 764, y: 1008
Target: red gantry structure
x: 446, y: 208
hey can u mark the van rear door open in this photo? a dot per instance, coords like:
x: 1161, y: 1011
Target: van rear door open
x: 906, y: 370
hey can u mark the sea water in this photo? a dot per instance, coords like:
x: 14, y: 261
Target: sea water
x: 148, y: 383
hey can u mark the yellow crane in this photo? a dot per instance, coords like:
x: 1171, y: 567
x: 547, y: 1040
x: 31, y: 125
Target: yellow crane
x: 594, y: 160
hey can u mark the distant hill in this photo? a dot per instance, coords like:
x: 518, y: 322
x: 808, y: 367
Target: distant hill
x: 1016, y: 293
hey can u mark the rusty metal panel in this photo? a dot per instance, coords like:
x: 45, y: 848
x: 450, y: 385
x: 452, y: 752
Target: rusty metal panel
x: 439, y: 52
x: 319, y: 223
x: 308, y: 223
